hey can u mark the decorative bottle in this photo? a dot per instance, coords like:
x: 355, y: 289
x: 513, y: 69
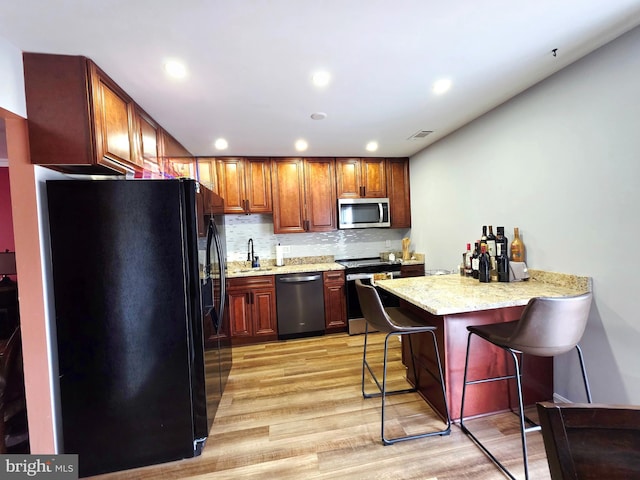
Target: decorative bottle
x: 517, y: 247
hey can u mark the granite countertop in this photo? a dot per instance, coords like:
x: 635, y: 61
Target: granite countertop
x: 237, y: 272
x: 450, y: 294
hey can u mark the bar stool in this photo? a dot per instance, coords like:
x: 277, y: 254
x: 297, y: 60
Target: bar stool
x: 546, y: 328
x: 395, y: 322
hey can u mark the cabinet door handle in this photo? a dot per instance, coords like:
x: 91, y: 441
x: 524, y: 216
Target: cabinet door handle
x: 362, y: 191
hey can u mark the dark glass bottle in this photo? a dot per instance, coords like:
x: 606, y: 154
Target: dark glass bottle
x: 503, y: 263
x: 500, y: 238
x: 484, y: 266
x: 483, y: 238
x: 475, y: 261
x: 491, y: 243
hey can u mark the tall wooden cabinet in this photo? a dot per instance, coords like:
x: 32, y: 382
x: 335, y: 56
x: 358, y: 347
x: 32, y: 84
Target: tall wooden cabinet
x: 398, y: 192
x: 304, y: 195
x: 251, y: 309
x: 361, y: 178
x: 245, y: 184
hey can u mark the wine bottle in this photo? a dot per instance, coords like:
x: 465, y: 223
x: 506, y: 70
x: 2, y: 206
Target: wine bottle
x: 483, y: 238
x: 500, y: 238
x: 517, y: 247
x: 503, y: 263
x: 491, y: 243
x: 484, y: 265
x: 475, y: 261
x: 467, y: 256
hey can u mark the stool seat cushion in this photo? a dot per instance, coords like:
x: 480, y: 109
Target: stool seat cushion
x: 402, y: 321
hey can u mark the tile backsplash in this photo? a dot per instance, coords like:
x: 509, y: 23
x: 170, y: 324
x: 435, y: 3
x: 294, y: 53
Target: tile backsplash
x: 368, y: 242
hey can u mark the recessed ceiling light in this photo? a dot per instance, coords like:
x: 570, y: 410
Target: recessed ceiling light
x: 372, y: 146
x: 318, y: 115
x: 301, y: 145
x: 441, y: 86
x: 175, y: 69
x: 321, y: 79
x: 221, y: 144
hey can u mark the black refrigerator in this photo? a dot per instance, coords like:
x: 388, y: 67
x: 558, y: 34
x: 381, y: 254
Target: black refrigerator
x: 143, y: 356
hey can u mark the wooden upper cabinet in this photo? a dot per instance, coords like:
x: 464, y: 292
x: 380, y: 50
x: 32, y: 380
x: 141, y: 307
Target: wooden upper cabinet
x: 207, y: 172
x: 177, y: 161
x: 398, y: 192
x: 146, y: 144
x: 245, y: 184
x: 304, y: 197
x: 361, y: 178
x: 81, y: 121
x: 287, y: 176
x: 320, y: 194
x: 113, y: 120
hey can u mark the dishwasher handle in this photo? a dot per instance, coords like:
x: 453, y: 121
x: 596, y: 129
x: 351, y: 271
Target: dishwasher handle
x: 299, y: 279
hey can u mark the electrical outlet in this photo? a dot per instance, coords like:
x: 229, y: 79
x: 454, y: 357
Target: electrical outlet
x: 387, y: 243
x: 286, y: 249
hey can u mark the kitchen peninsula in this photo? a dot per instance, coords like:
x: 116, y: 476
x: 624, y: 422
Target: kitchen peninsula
x: 451, y: 303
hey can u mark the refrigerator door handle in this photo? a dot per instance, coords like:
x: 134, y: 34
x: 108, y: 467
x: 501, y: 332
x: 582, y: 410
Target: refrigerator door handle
x: 213, y: 231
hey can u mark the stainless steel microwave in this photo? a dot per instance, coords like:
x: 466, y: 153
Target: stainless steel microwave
x: 363, y: 212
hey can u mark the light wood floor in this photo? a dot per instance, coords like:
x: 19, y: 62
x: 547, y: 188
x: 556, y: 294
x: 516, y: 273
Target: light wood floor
x: 293, y: 410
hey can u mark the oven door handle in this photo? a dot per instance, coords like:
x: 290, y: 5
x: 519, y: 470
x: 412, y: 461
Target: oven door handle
x: 359, y: 276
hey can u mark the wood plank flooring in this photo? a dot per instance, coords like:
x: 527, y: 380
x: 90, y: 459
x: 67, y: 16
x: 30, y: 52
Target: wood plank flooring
x: 293, y: 410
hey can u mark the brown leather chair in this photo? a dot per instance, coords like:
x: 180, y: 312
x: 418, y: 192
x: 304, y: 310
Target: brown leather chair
x: 546, y: 328
x: 591, y: 441
x: 394, y: 322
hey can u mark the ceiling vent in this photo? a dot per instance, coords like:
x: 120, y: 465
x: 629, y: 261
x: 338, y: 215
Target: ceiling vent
x: 420, y: 134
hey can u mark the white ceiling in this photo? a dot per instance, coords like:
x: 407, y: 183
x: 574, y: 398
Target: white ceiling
x: 250, y: 62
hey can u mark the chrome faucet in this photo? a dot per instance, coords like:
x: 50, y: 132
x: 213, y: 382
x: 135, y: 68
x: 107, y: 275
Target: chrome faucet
x: 250, y: 255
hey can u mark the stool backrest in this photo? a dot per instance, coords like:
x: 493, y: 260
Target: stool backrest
x: 372, y: 307
x: 551, y: 326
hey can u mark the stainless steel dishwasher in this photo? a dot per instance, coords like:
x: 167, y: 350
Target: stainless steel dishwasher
x: 300, y: 305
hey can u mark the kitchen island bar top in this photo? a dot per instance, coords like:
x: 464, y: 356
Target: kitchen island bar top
x: 452, y: 294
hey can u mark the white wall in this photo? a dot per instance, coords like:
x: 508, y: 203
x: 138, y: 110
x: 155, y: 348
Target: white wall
x: 12, y: 95
x: 561, y: 162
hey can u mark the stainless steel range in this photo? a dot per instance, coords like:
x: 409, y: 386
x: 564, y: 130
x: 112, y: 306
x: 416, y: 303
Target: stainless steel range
x: 364, y: 269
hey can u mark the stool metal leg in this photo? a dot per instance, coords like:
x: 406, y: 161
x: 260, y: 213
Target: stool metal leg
x: 382, y: 387
x: 584, y: 374
x: 464, y: 428
x: 522, y: 418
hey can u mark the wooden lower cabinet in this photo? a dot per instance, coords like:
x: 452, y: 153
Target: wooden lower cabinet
x: 412, y: 270
x: 335, y: 301
x: 251, y: 308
